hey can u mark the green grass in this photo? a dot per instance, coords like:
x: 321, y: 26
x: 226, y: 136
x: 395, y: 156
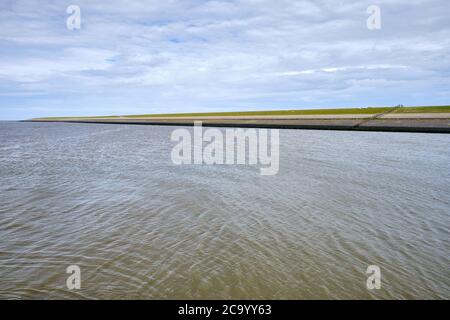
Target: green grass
x: 439, y: 109
x: 268, y: 113
x: 339, y: 111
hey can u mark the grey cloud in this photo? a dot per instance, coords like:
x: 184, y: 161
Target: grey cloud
x: 226, y: 53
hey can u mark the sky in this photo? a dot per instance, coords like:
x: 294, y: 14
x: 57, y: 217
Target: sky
x: 139, y: 57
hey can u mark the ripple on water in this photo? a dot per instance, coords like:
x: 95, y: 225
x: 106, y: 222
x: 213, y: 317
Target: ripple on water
x: 108, y: 199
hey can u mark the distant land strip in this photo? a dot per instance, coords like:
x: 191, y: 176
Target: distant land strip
x: 434, y: 119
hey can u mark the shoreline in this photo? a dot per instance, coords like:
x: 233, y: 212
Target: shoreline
x: 384, y: 123
x: 383, y: 119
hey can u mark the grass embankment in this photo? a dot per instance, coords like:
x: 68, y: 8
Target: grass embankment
x: 269, y: 113
x: 368, y: 111
x: 439, y: 109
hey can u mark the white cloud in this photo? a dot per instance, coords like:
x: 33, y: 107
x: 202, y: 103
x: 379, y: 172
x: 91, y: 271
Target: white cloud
x: 223, y: 54
x: 70, y: 62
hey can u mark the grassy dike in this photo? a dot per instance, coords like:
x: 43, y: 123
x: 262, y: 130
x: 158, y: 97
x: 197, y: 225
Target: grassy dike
x: 434, y: 119
x: 336, y: 111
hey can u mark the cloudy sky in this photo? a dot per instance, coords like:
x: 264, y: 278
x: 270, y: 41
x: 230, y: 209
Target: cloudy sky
x: 134, y: 57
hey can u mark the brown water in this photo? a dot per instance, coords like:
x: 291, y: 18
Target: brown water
x: 108, y: 199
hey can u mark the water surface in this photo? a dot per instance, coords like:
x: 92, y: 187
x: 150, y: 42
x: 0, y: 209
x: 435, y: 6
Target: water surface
x: 109, y: 199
